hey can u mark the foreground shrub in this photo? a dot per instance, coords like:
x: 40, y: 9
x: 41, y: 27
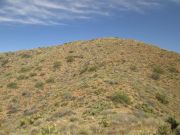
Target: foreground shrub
x: 173, y: 122
x: 163, y: 130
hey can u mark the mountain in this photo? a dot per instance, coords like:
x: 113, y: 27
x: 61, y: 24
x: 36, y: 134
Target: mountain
x: 106, y: 86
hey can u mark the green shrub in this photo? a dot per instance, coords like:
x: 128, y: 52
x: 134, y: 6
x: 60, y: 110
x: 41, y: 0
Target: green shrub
x: 49, y: 130
x: 39, y: 85
x: 155, y: 76
x: 25, y: 55
x: 162, y: 98
x: 24, y: 69
x: 56, y: 64
x: 50, y: 80
x: 92, y: 69
x: 4, y: 62
x: 69, y: 59
x: 83, y: 70
x: 173, y: 70
x: 163, y: 130
x: 22, y: 77
x: 32, y: 74
x: 120, y: 97
x: 158, y: 70
x: 173, y: 122
x: 133, y: 68
x: 12, y: 85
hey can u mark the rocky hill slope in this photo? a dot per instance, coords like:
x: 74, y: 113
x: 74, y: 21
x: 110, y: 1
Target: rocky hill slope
x: 105, y: 86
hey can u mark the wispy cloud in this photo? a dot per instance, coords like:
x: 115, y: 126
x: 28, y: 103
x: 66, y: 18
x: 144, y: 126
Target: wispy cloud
x: 55, y: 12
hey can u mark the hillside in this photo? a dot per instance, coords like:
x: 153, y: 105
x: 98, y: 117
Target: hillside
x: 104, y: 86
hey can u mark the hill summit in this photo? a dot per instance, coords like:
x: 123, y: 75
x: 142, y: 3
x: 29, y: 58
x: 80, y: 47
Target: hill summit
x: 105, y: 86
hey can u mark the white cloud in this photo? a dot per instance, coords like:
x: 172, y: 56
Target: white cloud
x: 55, y: 12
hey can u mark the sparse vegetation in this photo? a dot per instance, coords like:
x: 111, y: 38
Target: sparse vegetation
x: 97, y: 87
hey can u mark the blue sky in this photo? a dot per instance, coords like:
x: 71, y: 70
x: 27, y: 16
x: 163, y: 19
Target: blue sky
x: 26, y: 24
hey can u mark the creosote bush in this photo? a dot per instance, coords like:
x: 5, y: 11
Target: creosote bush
x: 69, y: 59
x: 25, y: 55
x: 12, y: 85
x: 162, y: 98
x: 158, y: 70
x: 173, y: 70
x: 120, y: 97
x: 163, y: 130
x: 22, y: 77
x: 39, y: 85
x: 50, y: 80
x: 56, y: 64
x: 155, y: 76
x: 173, y: 122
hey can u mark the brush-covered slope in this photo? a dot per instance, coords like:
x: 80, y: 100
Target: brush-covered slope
x: 98, y: 87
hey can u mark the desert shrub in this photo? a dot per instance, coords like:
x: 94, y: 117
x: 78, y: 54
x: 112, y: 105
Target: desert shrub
x: 155, y: 76
x: 120, y: 97
x: 71, y: 51
x: 22, y: 77
x: 177, y: 132
x: 163, y: 130
x: 50, y: 80
x: 56, y: 64
x: 25, y: 55
x: 67, y: 95
x: 32, y: 74
x: 133, y: 68
x: 111, y: 82
x: 92, y: 69
x: 4, y: 62
x: 12, y: 108
x: 162, y: 98
x: 173, y: 70
x: 39, y: 85
x: 158, y: 70
x: 38, y: 68
x: 104, y: 122
x: 69, y: 59
x: 173, y: 122
x: 98, y: 107
x: 48, y: 130
x: 12, y: 85
x: 24, y: 69
x: 83, y: 70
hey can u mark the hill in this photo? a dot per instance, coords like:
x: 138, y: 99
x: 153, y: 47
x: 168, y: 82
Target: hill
x: 104, y: 86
